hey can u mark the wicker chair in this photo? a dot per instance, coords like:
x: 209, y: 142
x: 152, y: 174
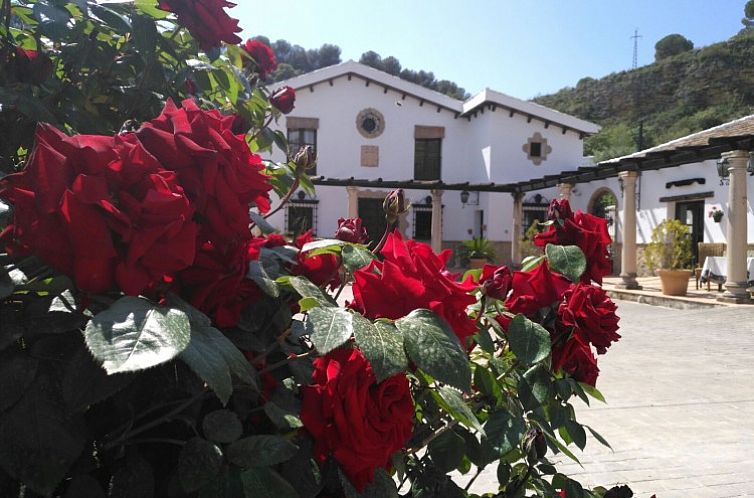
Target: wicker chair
x: 708, y: 249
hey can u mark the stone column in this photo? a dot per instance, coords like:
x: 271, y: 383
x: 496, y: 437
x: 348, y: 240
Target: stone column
x: 628, y: 252
x: 353, y: 201
x: 517, y: 232
x: 565, y: 190
x: 436, y: 220
x: 735, y: 286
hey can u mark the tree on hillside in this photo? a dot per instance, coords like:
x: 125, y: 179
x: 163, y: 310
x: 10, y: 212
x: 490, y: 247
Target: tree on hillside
x: 391, y: 65
x: 672, y: 45
x: 748, y: 20
x: 372, y: 59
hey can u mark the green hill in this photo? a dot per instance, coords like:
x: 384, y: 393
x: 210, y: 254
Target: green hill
x: 673, y: 97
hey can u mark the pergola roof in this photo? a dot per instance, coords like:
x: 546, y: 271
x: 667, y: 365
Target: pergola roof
x: 701, y: 146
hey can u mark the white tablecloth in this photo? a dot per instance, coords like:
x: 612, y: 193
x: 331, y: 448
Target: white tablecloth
x: 715, y: 269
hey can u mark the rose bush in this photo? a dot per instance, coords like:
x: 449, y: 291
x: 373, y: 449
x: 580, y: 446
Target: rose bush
x: 159, y: 338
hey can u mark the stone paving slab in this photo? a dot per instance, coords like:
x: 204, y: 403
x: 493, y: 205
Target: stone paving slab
x: 680, y: 411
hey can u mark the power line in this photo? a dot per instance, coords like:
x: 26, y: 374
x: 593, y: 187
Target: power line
x: 636, y: 48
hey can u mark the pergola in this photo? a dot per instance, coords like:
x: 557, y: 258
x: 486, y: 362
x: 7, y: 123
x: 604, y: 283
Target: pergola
x: 730, y: 142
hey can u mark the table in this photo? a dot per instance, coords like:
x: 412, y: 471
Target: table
x: 715, y: 270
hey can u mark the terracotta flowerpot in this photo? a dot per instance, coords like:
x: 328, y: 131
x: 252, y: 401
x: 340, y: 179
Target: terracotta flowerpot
x: 475, y: 263
x: 674, y: 282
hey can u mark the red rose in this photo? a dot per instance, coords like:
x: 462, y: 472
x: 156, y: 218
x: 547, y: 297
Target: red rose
x: 321, y: 269
x: 591, y: 314
x: 586, y: 231
x: 535, y: 289
x: 101, y: 210
x: 349, y: 415
x: 215, y: 167
x: 263, y: 56
x: 351, y: 230
x: 496, y: 281
x: 283, y: 99
x: 206, y: 20
x: 576, y: 359
x: 32, y: 66
x: 217, y: 285
x: 411, y: 276
x: 240, y: 125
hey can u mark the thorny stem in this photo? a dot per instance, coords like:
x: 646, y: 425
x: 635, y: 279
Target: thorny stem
x: 482, y: 306
x: 266, y: 123
x: 157, y: 421
x: 478, y: 472
x: 146, y: 440
x: 285, y: 199
x: 286, y: 361
x: 381, y: 244
x: 259, y: 359
x: 432, y: 436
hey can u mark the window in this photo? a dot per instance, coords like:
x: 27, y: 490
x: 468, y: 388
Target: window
x: 535, y: 149
x: 427, y: 158
x: 301, y: 216
x: 422, y: 221
x: 297, y: 138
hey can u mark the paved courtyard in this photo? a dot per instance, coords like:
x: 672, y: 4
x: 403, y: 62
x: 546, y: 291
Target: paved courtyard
x: 680, y: 406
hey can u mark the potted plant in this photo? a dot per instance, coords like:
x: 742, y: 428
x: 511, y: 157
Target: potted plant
x: 716, y: 214
x: 670, y: 253
x: 476, y: 252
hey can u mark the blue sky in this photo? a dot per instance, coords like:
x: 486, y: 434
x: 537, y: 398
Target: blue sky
x: 520, y: 47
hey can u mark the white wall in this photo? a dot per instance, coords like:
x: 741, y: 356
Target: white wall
x: 486, y: 148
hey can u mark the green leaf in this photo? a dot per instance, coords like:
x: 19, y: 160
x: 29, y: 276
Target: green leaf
x: 531, y: 262
x: 198, y: 463
x: 222, y: 426
x: 577, y: 433
x: 261, y: 451
x: 38, y: 442
x: 322, y: 244
x: 134, y: 334
x: 529, y: 341
x: 263, y: 482
x: 534, y: 387
x: 447, y: 450
x: 566, y: 260
x: 592, y: 391
x: 356, y: 257
x: 118, y: 22
x: 573, y: 489
x: 261, y: 222
x: 213, y: 358
x: 149, y: 7
x: 599, y: 437
x: 504, y: 431
x: 17, y: 372
x: 432, y: 345
x: 307, y: 303
x: 453, y: 403
x: 329, y: 328
x: 560, y: 446
x: 86, y: 383
x: 260, y: 277
x: 6, y: 284
x: 486, y: 382
x: 283, y: 418
x: 305, y: 288
x: 480, y: 452
x: 382, y: 345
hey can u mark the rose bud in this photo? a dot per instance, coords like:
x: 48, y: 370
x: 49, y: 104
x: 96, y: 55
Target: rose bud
x: 395, y: 204
x: 283, y: 99
x: 498, y: 284
x: 240, y: 125
x: 351, y: 230
x: 32, y: 66
x: 559, y: 210
x: 304, y: 158
x: 540, y: 445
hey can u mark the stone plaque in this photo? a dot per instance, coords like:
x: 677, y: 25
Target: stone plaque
x: 370, y: 156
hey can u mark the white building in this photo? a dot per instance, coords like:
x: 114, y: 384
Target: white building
x: 376, y: 128
x: 374, y: 132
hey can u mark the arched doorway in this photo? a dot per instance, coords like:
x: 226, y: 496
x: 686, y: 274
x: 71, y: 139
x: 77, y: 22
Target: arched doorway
x: 600, y: 201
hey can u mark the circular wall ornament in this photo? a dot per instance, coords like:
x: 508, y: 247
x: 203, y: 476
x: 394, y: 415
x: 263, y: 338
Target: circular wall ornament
x: 370, y: 123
